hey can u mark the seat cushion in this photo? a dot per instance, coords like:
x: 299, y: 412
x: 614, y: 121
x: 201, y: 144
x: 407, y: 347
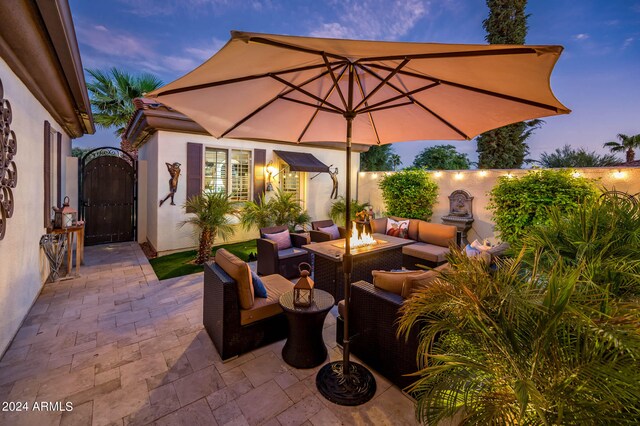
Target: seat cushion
x: 430, y: 252
x: 291, y: 252
x: 282, y: 239
x: 239, y: 270
x: 331, y: 230
x: 379, y: 226
x: 421, y: 281
x: 437, y: 234
x: 276, y: 286
x: 392, y: 281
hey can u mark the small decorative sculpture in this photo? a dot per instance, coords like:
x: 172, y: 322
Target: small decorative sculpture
x: 334, y: 178
x: 174, y: 172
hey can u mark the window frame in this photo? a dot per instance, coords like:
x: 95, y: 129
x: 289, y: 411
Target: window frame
x: 229, y: 170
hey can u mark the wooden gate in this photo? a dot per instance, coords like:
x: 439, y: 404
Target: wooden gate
x: 108, y: 196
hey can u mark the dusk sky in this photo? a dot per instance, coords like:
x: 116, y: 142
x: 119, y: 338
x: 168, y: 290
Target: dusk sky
x: 597, y: 76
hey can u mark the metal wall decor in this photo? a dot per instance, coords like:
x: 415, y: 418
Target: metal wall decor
x: 334, y: 179
x: 54, y: 247
x: 8, y: 168
x: 174, y: 172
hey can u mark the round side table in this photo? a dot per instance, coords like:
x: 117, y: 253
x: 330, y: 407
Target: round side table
x: 305, y: 346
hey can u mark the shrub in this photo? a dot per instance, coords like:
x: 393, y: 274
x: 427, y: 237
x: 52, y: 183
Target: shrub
x: 521, y: 202
x: 282, y: 209
x: 338, y: 209
x: 602, y: 234
x: 512, y: 347
x: 409, y: 194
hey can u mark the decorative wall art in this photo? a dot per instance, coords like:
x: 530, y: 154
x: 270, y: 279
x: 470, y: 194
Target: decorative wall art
x: 174, y: 172
x: 8, y: 169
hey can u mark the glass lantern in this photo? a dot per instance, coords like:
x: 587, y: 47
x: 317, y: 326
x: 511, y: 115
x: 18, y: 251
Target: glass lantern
x: 303, y: 289
x: 65, y: 216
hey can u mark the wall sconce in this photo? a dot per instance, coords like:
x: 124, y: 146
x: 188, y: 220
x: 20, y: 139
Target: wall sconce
x: 374, y: 176
x: 458, y: 176
x: 270, y: 171
x: 482, y: 173
x: 437, y: 174
x: 618, y: 174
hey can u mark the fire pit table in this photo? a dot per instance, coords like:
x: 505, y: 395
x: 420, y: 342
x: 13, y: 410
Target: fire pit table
x: 328, y: 275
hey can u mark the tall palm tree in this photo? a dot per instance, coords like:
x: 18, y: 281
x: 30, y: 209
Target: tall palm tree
x: 211, y: 219
x: 112, y: 93
x: 627, y: 144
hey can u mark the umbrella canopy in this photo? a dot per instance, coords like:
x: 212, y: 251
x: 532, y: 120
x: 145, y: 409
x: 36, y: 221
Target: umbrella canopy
x: 285, y: 88
x: 306, y: 90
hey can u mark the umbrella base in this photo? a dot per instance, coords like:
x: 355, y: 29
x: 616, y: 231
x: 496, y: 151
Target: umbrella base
x: 356, y: 388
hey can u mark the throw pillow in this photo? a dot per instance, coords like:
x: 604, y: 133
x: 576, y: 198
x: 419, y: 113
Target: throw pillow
x: 259, y: 290
x: 398, y: 229
x: 392, y: 281
x: 331, y: 230
x: 283, y: 239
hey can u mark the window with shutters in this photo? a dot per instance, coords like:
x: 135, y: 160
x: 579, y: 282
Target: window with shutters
x: 291, y: 181
x: 228, y: 171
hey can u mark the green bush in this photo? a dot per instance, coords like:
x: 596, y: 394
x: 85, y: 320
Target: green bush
x: 521, y: 202
x: 409, y: 193
x: 339, y: 209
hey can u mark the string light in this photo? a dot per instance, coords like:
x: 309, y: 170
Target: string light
x: 437, y: 174
x: 576, y: 174
x: 619, y: 174
x: 458, y: 176
x: 482, y: 173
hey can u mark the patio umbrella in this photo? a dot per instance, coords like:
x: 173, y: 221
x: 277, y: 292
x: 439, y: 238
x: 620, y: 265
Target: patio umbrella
x: 310, y: 90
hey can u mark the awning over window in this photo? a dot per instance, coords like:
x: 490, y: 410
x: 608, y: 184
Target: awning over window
x: 302, y: 162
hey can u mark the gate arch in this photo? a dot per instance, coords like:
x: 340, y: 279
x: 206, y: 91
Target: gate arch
x: 108, y: 190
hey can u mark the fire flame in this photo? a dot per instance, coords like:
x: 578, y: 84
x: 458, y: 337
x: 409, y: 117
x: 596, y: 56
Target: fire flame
x: 362, y: 240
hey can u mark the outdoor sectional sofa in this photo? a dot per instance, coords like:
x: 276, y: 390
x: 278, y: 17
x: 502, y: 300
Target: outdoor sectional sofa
x: 432, y: 241
x: 236, y: 321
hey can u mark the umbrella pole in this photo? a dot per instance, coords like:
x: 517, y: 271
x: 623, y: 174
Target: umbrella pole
x: 345, y: 382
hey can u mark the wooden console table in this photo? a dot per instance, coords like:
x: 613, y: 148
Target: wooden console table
x: 78, y: 231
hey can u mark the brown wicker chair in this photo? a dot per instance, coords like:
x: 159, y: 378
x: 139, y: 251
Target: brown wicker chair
x: 283, y: 262
x: 373, y: 316
x: 221, y: 317
x: 318, y: 236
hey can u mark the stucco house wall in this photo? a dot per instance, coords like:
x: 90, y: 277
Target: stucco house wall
x: 163, y: 230
x: 22, y: 265
x: 479, y: 182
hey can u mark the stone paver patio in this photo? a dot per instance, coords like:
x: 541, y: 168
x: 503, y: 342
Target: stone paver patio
x: 125, y: 348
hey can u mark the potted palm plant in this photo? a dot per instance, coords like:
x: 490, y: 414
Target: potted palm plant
x: 212, y: 212
x: 282, y: 209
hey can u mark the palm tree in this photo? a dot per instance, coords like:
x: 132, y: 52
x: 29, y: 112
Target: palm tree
x: 112, y: 93
x: 211, y: 219
x: 627, y: 145
x: 517, y: 346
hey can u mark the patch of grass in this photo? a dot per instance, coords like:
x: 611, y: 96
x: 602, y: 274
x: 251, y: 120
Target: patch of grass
x: 179, y: 264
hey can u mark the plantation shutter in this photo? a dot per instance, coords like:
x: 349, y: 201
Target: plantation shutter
x: 47, y: 174
x: 259, y: 159
x: 59, y: 171
x: 194, y: 170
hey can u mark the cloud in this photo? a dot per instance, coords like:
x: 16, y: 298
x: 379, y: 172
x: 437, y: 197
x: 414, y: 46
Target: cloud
x: 627, y: 42
x: 104, y: 47
x: 147, y: 8
x: 580, y: 37
x: 372, y: 19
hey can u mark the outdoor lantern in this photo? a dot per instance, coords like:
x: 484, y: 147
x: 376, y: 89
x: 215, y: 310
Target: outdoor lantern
x: 64, y: 216
x: 303, y: 290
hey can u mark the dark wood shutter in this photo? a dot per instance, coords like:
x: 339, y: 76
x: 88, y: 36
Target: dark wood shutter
x: 259, y: 160
x: 194, y: 170
x: 59, y: 171
x: 47, y: 174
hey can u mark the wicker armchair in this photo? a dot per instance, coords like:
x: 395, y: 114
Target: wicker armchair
x: 318, y: 236
x: 221, y: 317
x: 373, y: 316
x: 283, y: 262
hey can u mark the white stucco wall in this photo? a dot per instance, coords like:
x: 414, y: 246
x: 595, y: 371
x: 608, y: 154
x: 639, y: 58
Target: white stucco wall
x: 479, y: 182
x: 21, y: 262
x: 163, y: 231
